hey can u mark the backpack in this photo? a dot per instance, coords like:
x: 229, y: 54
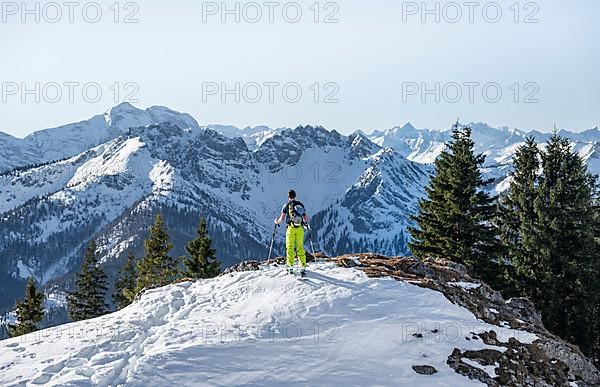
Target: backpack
x: 296, y: 213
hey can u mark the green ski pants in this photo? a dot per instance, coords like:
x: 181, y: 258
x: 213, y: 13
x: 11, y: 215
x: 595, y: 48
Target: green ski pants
x: 294, y: 238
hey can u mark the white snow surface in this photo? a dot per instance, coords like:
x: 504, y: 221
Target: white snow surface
x: 465, y: 285
x: 258, y: 328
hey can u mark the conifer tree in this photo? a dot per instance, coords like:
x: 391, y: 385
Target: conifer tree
x: 565, y: 244
x: 30, y: 311
x: 455, y: 219
x: 88, y: 300
x: 202, y: 261
x: 550, y: 227
x: 157, y: 268
x: 517, y: 219
x: 125, y: 286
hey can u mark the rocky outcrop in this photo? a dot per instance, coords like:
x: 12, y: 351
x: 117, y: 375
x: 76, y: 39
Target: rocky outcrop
x: 424, y: 369
x: 242, y: 266
x: 518, y: 365
x: 548, y: 361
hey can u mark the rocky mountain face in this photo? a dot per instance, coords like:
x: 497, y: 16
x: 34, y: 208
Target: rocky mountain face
x: 359, y: 195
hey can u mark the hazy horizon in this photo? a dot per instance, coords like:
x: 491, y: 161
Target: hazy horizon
x: 415, y: 125
x: 356, y: 65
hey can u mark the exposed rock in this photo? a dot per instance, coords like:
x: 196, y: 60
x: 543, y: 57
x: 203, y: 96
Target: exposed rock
x: 243, y: 266
x: 519, y: 365
x: 456, y: 363
x: 580, y: 367
x: 255, y: 265
x: 347, y: 262
x: 524, y: 310
x: 424, y: 369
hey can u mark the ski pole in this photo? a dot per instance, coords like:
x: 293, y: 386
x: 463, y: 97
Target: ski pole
x: 312, y: 247
x: 272, y: 240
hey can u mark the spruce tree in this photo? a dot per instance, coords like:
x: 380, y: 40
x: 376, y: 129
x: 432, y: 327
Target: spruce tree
x: 202, y: 261
x: 157, y: 268
x: 517, y: 220
x: 125, y: 286
x: 455, y: 219
x: 88, y: 300
x: 550, y: 226
x: 566, y: 245
x: 30, y: 311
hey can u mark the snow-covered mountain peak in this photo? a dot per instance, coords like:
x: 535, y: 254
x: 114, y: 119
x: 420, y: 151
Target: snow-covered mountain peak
x: 69, y: 140
x: 248, y: 319
x: 406, y: 129
x: 125, y: 115
x: 362, y: 146
x: 285, y: 147
x: 123, y: 108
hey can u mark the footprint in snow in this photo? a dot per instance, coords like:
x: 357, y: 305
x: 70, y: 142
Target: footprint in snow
x: 177, y: 304
x: 85, y: 371
x: 12, y: 345
x: 5, y: 367
x: 54, y: 368
x: 186, y: 285
x: 75, y: 362
x: 44, y: 378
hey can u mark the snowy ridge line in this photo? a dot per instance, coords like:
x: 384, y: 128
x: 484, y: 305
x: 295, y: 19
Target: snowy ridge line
x: 244, y: 319
x: 251, y: 318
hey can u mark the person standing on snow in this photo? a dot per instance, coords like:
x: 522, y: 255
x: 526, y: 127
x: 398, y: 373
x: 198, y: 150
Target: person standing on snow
x: 294, y: 236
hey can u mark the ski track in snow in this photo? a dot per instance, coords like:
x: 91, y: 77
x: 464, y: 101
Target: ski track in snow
x: 257, y: 328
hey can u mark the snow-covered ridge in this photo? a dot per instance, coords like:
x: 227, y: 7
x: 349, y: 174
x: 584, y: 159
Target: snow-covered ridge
x: 69, y: 140
x: 347, y: 324
x: 259, y: 328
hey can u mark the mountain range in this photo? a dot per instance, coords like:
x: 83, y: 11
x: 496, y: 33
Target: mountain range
x: 107, y: 177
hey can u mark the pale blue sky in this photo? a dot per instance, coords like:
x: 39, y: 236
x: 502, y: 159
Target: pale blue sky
x: 369, y: 54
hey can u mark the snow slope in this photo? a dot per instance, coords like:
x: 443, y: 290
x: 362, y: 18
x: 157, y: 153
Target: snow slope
x: 258, y: 328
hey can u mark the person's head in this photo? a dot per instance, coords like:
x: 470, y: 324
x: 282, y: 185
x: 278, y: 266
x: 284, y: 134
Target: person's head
x: 291, y: 195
